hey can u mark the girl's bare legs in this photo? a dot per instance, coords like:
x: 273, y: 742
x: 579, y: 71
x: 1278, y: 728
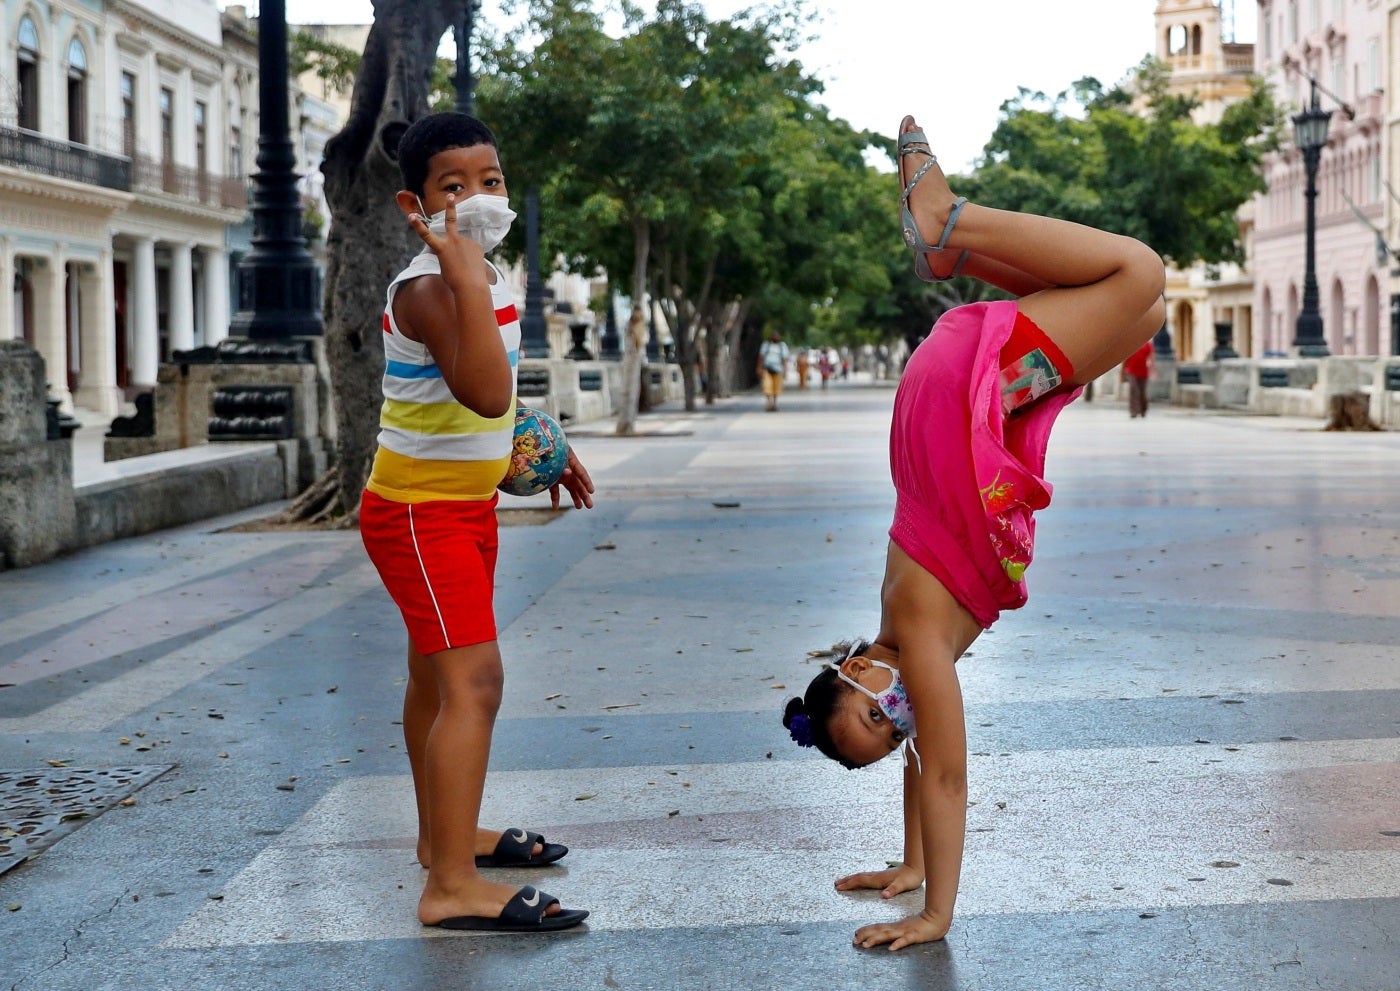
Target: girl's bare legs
x: 420, y: 710
x: 1097, y: 295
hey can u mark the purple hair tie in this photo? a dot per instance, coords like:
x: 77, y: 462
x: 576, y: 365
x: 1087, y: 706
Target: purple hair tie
x: 801, y: 730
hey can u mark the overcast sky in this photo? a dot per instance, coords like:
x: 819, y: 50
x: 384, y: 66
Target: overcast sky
x: 951, y: 63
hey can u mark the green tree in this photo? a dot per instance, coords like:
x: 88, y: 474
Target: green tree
x: 689, y: 158
x: 335, y: 65
x: 1135, y: 163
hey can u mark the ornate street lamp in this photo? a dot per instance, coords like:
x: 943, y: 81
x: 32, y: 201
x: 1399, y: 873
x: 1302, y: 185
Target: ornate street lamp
x: 534, y: 336
x: 1310, y: 134
x: 278, y: 286
x: 463, y: 82
x: 534, y: 340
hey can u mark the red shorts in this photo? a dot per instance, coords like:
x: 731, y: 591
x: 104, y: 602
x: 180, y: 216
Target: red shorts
x: 438, y: 562
x: 1032, y: 365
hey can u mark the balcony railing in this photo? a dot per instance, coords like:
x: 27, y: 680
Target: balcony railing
x: 149, y: 175
x: 27, y: 150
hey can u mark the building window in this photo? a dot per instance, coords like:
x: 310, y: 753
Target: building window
x: 1176, y: 39
x: 167, y: 126
x: 1373, y: 66
x: 1292, y: 22
x: 235, y: 152
x: 1338, y: 77
x: 129, y: 114
x: 1314, y: 15
x: 27, y: 74
x: 77, y: 92
x: 201, y: 135
x: 1268, y: 39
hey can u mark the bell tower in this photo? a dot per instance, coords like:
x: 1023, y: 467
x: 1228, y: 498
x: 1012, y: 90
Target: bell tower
x: 1195, y: 40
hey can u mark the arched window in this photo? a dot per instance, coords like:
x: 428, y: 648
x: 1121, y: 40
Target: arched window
x: 77, y: 92
x: 1196, y: 40
x: 27, y: 74
x: 1176, y: 40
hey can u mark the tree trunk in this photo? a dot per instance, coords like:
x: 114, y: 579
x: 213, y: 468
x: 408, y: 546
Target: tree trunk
x: 1350, y: 411
x: 738, y: 356
x: 635, y: 338
x: 369, y: 241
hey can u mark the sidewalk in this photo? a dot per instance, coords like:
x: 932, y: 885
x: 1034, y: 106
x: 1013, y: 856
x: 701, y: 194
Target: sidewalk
x: 1184, y: 749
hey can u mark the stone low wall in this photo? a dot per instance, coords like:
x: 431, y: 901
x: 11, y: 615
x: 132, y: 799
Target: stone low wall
x: 1298, y: 387
x: 1385, y: 393
x: 570, y: 391
x: 173, y: 488
x: 36, y: 470
x: 43, y: 514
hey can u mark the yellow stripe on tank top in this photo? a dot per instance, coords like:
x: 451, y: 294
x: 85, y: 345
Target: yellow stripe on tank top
x: 441, y: 418
x: 412, y: 480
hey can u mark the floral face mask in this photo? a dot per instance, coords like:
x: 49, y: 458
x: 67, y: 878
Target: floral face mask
x: 893, y: 701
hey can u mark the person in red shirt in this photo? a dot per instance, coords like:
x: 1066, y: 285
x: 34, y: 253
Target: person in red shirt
x: 1137, y: 370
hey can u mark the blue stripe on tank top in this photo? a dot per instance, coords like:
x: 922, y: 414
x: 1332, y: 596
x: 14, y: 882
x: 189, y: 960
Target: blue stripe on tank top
x: 404, y: 370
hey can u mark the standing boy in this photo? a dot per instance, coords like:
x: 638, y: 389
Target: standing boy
x: 427, y: 517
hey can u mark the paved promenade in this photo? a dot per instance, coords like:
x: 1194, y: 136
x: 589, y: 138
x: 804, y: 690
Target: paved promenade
x: 1186, y: 749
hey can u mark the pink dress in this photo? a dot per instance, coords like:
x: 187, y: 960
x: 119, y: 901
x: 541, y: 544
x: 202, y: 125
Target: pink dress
x: 967, y: 479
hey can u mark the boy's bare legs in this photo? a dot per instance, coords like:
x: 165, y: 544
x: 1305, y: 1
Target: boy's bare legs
x: 1099, y: 295
x: 420, y: 711
x: 449, y: 784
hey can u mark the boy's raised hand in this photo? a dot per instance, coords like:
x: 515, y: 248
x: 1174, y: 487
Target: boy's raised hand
x: 459, y: 257
x: 577, y: 480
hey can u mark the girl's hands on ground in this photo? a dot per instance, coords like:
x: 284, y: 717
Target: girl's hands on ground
x: 921, y: 928
x: 577, y: 480
x: 891, y: 882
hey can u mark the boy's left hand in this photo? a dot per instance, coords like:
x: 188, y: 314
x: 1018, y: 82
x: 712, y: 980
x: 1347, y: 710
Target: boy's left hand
x: 906, y: 932
x: 577, y: 481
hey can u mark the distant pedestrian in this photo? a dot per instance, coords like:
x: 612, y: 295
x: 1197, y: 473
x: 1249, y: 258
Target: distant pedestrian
x: 1137, y: 369
x: 772, y: 368
x: 825, y: 367
x: 972, y: 418
x: 428, y: 516
x: 803, y: 368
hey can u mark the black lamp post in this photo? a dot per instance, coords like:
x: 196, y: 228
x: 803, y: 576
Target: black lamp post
x: 610, y: 344
x: 278, y: 295
x: 1310, y: 134
x: 463, y: 82
x: 534, y: 335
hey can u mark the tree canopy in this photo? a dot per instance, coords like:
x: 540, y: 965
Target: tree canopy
x: 1135, y: 163
x: 691, y: 160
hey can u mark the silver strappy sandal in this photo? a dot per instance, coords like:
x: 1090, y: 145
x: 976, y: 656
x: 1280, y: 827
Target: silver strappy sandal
x: 913, y: 238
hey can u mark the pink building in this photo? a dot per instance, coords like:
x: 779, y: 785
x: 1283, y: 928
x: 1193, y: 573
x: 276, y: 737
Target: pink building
x: 1340, y: 44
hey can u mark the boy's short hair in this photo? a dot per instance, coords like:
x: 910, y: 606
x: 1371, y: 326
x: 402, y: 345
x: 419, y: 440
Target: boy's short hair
x: 434, y: 133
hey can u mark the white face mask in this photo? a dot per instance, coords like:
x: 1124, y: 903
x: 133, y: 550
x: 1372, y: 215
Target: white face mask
x: 484, y: 217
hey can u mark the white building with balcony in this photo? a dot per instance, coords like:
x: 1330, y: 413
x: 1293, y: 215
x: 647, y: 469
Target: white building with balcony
x: 127, y: 131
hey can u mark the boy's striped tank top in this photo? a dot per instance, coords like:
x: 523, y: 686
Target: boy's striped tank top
x: 431, y: 447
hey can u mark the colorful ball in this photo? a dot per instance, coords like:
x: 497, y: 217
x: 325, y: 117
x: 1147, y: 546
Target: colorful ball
x: 539, y: 456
